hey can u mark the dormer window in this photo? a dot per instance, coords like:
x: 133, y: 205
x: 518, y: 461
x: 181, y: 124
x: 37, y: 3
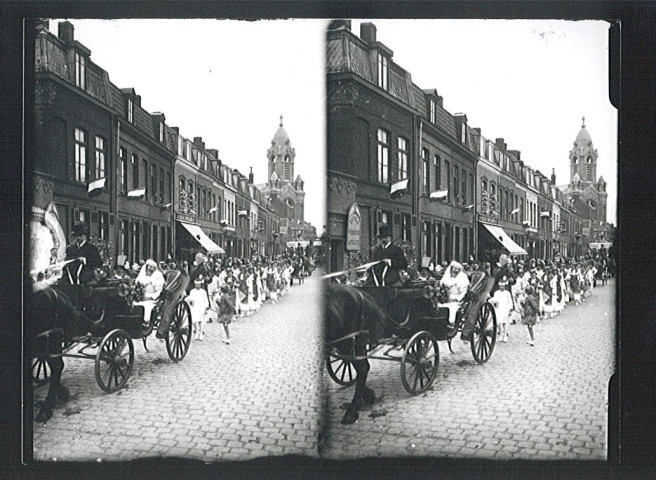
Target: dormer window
x: 130, y: 111
x: 161, y: 132
x: 383, y: 71
x: 463, y: 133
x: 433, y: 111
x: 80, y: 71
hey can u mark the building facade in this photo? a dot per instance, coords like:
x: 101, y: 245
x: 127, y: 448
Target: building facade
x: 137, y: 183
x: 396, y: 157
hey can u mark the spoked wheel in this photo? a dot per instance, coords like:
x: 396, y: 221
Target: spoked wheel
x: 178, y: 337
x: 341, y: 371
x: 421, y: 357
x: 114, y: 360
x: 484, y: 337
x: 40, y: 370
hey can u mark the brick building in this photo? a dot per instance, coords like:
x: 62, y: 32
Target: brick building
x: 136, y: 182
x: 396, y: 157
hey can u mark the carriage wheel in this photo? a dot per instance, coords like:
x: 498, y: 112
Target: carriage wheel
x: 178, y: 337
x: 341, y: 371
x: 40, y: 370
x: 114, y: 360
x: 484, y: 337
x: 421, y: 357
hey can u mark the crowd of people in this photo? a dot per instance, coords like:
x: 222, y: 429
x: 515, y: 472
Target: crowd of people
x: 220, y: 289
x: 524, y: 291
x: 520, y: 289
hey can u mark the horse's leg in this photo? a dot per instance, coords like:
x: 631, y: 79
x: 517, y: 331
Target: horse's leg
x: 45, y: 412
x: 362, y: 369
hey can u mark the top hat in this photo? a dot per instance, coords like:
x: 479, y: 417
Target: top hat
x: 80, y: 229
x: 384, y: 231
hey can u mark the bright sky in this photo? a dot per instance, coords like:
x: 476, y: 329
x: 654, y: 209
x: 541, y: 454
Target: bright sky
x: 228, y: 82
x: 529, y: 82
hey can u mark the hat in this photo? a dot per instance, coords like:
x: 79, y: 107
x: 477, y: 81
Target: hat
x: 80, y: 229
x: 384, y: 231
x: 504, y: 260
x: 199, y: 279
x: 503, y: 281
x: 200, y: 258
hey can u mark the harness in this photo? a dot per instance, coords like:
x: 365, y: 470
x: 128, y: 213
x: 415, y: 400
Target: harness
x: 351, y: 335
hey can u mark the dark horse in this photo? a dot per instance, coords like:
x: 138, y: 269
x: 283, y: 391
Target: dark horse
x: 53, y: 320
x: 353, y: 321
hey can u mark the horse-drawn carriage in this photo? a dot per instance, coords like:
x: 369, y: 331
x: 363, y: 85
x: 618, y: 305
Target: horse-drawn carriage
x: 402, y: 325
x: 115, y: 323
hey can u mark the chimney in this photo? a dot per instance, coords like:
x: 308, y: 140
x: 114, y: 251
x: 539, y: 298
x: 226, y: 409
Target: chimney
x: 516, y: 153
x: 500, y: 144
x: 553, y: 176
x: 335, y: 24
x: 440, y: 101
x: 250, y: 176
x: 198, y: 141
x: 138, y: 102
x: 176, y: 130
x: 477, y: 131
x: 368, y: 32
x: 214, y: 152
x: 66, y: 31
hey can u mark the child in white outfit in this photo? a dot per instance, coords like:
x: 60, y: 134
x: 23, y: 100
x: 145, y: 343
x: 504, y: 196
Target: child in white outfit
x: 200, y: 304
x: 503, y: 303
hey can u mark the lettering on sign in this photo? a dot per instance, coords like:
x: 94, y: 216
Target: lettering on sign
x: 353, y: 224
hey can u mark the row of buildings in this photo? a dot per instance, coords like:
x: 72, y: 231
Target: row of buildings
x: 136, y: 182
x: 396, y: 157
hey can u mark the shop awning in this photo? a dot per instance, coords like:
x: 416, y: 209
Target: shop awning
x: 202, y: 238
x: 503, y: 238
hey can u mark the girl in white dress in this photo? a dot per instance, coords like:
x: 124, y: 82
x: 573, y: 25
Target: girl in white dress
x: 503, y: 303
x: 199, y: 304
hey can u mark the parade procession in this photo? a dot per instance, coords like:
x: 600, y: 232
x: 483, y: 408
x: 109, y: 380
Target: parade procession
x: 178, y: 309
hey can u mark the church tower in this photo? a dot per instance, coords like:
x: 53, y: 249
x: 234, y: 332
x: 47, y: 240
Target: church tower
x: 583, y: 157
x: 281, y: 182
x: 281, y: 155
x: 587, y: 194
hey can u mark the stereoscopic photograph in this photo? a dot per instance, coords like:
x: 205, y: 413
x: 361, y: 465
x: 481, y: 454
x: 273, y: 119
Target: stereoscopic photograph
x: 339, y: 239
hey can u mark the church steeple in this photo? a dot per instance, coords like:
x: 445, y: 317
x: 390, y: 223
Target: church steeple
x: 281, y: 155
x: 583, y: 157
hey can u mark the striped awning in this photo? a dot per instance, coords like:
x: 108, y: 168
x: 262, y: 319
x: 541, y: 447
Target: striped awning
x: 503, y: 238
x: 202, y: 238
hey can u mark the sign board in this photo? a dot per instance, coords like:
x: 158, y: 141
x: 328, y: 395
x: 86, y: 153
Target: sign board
x: 353, y: 228
x: 598, y: 245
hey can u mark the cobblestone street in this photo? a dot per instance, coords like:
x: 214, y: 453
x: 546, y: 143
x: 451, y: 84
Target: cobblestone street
x: 258, y: 396
x: 544, y: 402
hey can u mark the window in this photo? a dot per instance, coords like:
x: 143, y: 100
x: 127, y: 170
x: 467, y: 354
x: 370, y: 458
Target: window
x: 438, y: 172
x: 161, y: 185
x: 188, y: 151
x: 383, y: 155
x: 455, y: 184
x: 80, y: 155
x: 447, y: 168
x: 155, y: 242
x: 433, y: 112
x: 464, y: 188
x: 425, y: 177
x: 145, y: 241
x: 161, y: 132
x: 402, y: 159
x: 135, y: 172
x: 124, y: 238
x: 426, y: 239
x: 153, y: 183
x: 168, y: 186
x: 205, y: 209
x: 406, y: 227
x: 80, y: 71
x: 145, y: 172
x: 383, y: 73
x: 130, y: 111
x: 103, y: 226
x: 123, y: 155
x: 100, y: 158
x: 463, y: 133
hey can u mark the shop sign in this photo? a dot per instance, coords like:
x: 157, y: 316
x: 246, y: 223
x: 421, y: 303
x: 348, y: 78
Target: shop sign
x: 353, y: 228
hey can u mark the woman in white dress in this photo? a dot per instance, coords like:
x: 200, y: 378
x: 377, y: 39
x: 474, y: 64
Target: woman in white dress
x: 151, y: 281
x: 457, y: 283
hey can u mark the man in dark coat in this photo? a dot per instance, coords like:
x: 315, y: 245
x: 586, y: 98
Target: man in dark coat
x: 85, y: 253
x: 387, y: 272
